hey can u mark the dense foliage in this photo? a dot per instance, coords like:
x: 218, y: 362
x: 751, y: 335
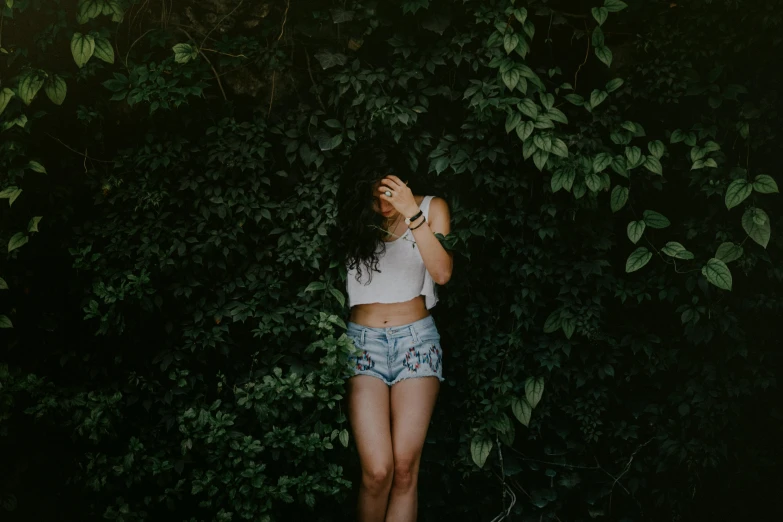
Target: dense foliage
x: 172, y: 304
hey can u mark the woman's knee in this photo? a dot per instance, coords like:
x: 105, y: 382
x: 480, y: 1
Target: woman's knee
x: 406, y: 471
x: 377, y: 478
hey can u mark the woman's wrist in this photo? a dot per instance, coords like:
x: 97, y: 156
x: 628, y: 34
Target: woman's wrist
x: 409, y: 213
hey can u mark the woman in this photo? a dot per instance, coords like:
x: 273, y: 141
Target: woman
x: 394, y: 261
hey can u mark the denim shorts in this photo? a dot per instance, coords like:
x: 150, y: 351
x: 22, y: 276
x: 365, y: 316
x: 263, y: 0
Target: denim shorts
x: 399, y: 352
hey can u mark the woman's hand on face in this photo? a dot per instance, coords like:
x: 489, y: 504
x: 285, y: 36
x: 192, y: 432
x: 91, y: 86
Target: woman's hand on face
x: 401, y: 199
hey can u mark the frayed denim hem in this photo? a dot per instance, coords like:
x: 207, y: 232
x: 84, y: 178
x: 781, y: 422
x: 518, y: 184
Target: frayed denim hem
x: 416, y: 376
x: 370, y: 374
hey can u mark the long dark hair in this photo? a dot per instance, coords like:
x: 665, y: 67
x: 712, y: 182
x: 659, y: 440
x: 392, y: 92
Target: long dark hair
x: 360, y: 226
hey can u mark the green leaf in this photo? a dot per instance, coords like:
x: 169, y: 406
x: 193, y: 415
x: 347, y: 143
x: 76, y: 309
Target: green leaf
x: 522, y: 410
x: 717, y: 273
x: 35, y: 166
x: 111, y: 7
x: 529, y: 28
x: 656, y: 148
x: 330, y: 143
x: 635, y: 229
x: 597, y: 97
x: 569, y: 325
x: 5, y: 96
x: 613, y: 85
x: 89, y: 9
x: 520, y: 14
x: 16, y: 241
x: 104, y: 50
x: 510, y: 78
x: 184, y: 52
x: 328, y: 59
x: 575, y: 99
x: 618, y: 198
x: 594, y: 182
x: 534, y: 389
x: 528, y: 108
x: 634, y: 156
x: 540, y: 158
x: 614, y: 6
x: 557, y: 115
x: 697, y: 153
x: 604, y: 54
x: 3, y: 284
x: 598, y: 37
x: 654, y: 219
x: 344, y: 438
x: 82, y: 48
x: 8, y: 191
x: 32, y: 226
x: 524, y: 130
x: 512, y: 120
x: 600, y: 14
x: 510, y: 42
x: 638, y: 258
x: 480, y: 448
x: 553, y: 322
x: 676, y: 250
x: 652, y: 164
x: 728, y: 252
x: 756, y: 224
x: 338, y: 295
x: 620, y: 166
x: 601, y: 161
x: 29, y: 85
x: 559, y: 148
x: 677, y: 136
x: 547, y: 100
x: 737, y: 192
x: 56, y: 89
x: 764, y: 184
x: 315, y: 285
x: 5, y: 322
x: 12, y: 194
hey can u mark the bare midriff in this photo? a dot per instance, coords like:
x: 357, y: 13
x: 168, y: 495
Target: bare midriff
x: 385, y: 315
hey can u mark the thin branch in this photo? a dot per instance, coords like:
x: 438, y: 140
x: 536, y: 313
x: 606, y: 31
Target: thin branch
x: 134, y: 43
x: 224, y: 54
x: 220, y: 22
x: 315, y: 87
x: 217, y: 77
x: 627, y: 467
x: 285, y: 18
x: 587, y: 54
x: 272, y: 94
x: 86, y: 157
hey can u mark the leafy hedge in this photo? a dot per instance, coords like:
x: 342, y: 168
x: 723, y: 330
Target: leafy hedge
x: 176, y: 297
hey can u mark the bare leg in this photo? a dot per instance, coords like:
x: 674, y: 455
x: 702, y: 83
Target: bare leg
x: 368, y: 411
x: 412, y: 402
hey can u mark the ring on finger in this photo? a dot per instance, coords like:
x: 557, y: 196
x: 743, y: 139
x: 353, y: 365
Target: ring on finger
x: 388, y: 193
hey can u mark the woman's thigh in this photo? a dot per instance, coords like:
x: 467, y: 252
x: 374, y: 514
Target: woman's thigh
x: 369, y: 415
x: 412, y: 403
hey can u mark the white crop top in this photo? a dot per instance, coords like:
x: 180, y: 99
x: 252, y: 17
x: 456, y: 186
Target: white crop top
x: 402, y: 273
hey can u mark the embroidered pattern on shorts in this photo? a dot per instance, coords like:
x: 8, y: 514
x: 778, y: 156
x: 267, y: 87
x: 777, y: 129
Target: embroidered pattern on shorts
x: 435, y: 358
x: 364, y: 361
x: 414, y: 359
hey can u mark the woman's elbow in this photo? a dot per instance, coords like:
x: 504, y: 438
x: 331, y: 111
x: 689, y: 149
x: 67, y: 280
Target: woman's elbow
x: 442, y: 277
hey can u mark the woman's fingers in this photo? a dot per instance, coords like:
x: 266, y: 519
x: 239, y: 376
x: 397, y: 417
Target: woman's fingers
x: 395, y: 179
